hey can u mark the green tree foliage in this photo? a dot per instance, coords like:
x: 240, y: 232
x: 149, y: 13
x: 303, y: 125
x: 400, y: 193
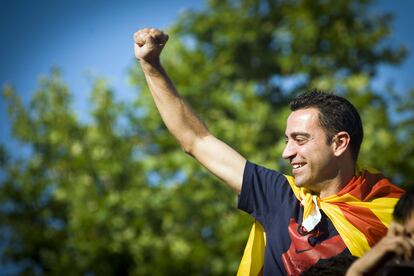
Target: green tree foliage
x: 116, y: 195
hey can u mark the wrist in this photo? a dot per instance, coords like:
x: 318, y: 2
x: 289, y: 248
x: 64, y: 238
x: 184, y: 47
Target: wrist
x: 150, y: 61
x: 151, y: 66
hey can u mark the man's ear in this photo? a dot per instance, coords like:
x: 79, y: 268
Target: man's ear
x: 340, y: 143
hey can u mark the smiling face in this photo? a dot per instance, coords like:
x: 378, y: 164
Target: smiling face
x: 311, y: 157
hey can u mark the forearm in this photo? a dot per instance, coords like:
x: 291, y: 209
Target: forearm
x: 180, y: 120
x: 386, y: 249
x: 359, y: 268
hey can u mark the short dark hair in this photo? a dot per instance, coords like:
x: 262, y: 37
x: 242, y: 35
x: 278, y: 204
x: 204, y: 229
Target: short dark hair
x: 335, y: 114
x: 404, y: 207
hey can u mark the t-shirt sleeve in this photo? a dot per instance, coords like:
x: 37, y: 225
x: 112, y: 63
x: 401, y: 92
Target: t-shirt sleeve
x: 263, y: 193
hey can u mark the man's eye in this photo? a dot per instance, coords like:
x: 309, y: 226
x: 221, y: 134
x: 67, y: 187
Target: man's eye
x: 301, y: 141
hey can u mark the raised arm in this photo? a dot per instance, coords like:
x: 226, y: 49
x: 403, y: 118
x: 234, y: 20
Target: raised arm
x: 181, y: 121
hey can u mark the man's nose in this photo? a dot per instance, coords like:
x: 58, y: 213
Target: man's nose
x: 289, y: 151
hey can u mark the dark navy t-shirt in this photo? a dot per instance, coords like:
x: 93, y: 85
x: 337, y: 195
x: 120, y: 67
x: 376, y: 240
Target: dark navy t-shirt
x: 290, y: 250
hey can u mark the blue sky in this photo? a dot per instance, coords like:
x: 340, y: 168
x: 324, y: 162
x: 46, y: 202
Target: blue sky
x: 82, y: 38
x: 94, y: 38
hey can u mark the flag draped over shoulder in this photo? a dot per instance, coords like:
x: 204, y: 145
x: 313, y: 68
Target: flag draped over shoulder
x: 361, y: 213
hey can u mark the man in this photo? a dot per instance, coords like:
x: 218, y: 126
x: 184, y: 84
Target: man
x: 307, y: 219
x: 394, y: 254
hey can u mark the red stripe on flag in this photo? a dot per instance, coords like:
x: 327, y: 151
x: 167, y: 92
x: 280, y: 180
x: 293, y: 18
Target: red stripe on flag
x: 365, y: 221
x: 371, y: 186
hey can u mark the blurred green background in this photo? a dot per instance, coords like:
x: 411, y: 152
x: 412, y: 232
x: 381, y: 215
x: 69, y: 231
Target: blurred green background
x: 100, y: 187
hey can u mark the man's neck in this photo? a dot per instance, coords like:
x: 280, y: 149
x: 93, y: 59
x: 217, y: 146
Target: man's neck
x: 338, y: 183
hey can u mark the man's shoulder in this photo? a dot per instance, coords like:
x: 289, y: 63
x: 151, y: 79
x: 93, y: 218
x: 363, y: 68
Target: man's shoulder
x: 267, y: 173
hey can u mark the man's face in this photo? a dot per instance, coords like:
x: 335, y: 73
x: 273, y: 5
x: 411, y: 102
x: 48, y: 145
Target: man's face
x: 311, y: 157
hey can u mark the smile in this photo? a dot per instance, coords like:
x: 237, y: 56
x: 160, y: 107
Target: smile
x: 297, y: 166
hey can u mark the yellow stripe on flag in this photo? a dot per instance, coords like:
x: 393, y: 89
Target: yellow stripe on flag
x: 381, y: 207
x: 253, y: 256
x: 353, y: 238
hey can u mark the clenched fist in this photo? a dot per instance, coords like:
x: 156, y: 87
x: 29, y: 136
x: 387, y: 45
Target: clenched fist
x: 149, y: 44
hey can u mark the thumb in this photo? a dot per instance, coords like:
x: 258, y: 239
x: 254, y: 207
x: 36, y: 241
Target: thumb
x: 150, y: 42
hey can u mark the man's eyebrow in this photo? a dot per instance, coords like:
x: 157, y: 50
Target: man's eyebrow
x: 304, y: 134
